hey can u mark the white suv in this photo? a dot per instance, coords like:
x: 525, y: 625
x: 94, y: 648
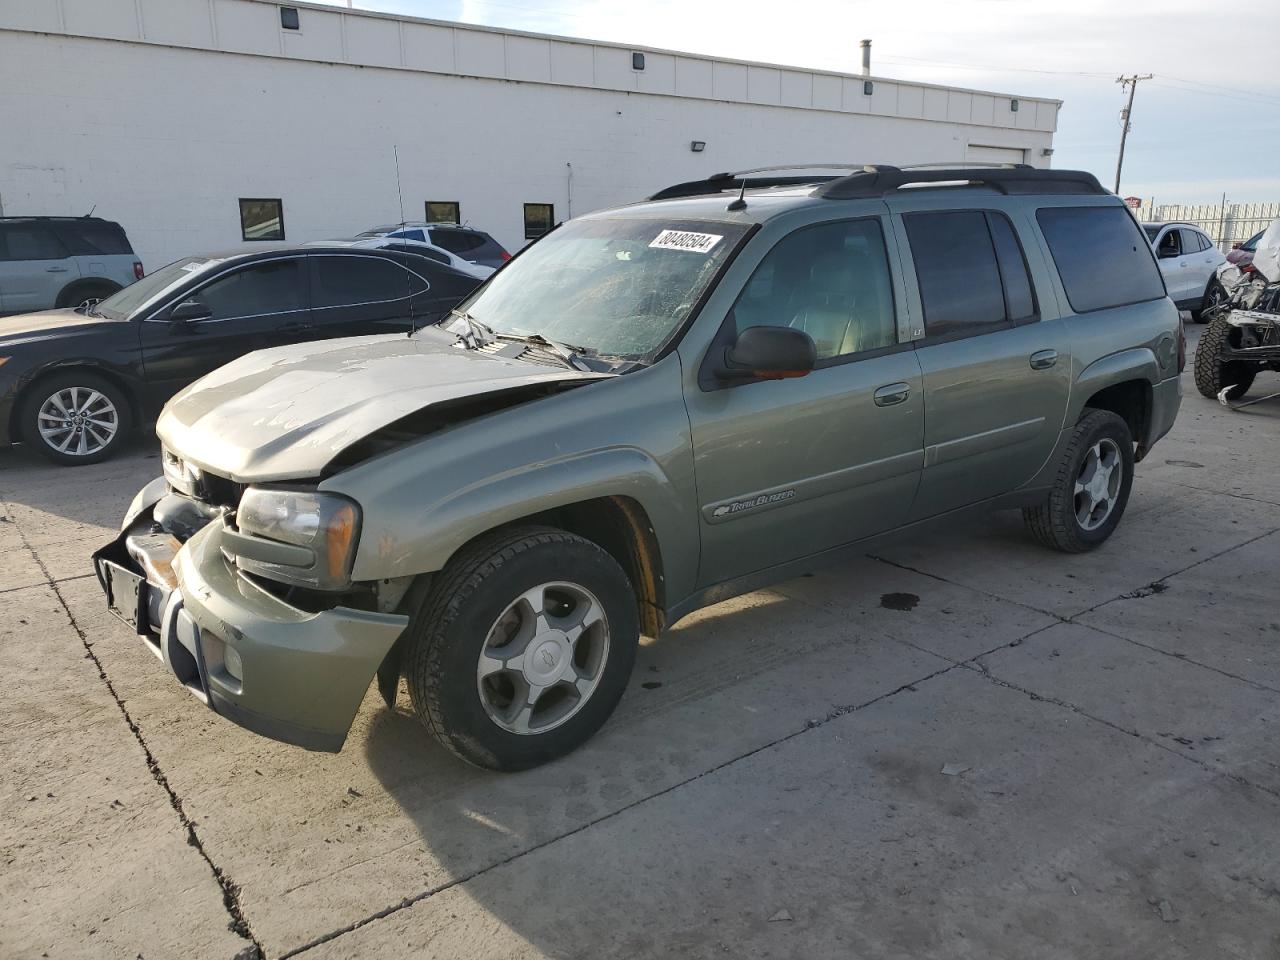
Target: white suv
x: 1188, y: 260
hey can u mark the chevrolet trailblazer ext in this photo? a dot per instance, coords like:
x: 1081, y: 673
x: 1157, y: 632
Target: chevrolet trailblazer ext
x: 650, y: 410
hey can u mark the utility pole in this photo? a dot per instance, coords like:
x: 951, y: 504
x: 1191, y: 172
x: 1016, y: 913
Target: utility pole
x: 1125, y: 114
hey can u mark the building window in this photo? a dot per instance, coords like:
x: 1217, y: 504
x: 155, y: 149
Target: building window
x: 289, y: 18
x: 444, y: 211
x: 261, y: 219
x: 538, y: 219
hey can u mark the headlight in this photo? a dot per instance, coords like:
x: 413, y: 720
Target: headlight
x: 325, y: 523
x: 182, y: 476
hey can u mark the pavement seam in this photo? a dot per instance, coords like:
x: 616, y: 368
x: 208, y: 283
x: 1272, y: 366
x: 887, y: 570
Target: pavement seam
x: 1180, y: 657
x: 835, y: 714
x: 1221, y: 493
x: 965, y: 586
x: 984, y: 671
x: 238, y: 924
x: 1135, y: 595
x: 46, y: 581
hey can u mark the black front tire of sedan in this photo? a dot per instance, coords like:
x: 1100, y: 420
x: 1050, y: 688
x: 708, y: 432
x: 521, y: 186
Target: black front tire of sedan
x: 74, y: 418
x: 522, y: 648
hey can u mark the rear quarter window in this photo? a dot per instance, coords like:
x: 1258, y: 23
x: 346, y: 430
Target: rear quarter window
x: 1102, y: 256
x: 93, y: 238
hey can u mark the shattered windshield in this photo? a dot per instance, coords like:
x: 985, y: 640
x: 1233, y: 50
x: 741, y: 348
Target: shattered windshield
x: 611, y: 287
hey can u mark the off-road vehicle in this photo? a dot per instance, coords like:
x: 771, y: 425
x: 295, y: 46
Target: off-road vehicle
x: 651, y: 409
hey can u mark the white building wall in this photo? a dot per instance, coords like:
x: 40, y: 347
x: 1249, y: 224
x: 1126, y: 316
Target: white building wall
x: 163, y: 113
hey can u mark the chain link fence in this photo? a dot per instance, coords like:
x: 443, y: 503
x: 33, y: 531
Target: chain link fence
x: 1226, y: 224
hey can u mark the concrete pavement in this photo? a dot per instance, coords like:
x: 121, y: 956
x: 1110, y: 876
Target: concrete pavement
x: 772, y: 784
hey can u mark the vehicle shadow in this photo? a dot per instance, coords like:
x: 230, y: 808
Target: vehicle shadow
x: 96, y: 494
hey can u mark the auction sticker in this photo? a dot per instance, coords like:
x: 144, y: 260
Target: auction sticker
x: 684, y: 240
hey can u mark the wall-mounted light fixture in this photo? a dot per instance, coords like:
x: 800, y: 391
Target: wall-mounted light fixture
x: 867, y: 87
x: 697, y: 146
x: 1013, y: 105
x: 1046, y: 152
x: 289, y: 18
x: 637, y: 61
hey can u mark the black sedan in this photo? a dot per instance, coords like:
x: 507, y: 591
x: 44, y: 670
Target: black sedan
x: 73, y: 381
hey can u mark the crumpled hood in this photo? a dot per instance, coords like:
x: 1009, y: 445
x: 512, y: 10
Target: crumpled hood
x: 284, y: 413
x: 46, y: 324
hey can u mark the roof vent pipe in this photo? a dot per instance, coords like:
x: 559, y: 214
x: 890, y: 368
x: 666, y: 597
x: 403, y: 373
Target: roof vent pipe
x: 866, y: 58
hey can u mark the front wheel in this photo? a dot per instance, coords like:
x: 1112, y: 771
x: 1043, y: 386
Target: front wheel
x: 1214, y: 374
x: 522, y: 648
x: 74, y: 418
x: 1091, y: 489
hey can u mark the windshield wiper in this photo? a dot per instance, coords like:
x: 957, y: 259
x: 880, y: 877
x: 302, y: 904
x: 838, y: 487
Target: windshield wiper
x: 571, y: 355
x: 477, y: 333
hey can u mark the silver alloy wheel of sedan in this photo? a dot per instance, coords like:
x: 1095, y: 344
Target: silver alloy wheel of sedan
x: 1098, y: 484
x: 543, y: 658
x: 78, y: 421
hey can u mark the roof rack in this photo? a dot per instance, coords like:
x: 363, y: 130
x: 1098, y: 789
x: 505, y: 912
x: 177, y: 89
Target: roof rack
x: 876, y: 180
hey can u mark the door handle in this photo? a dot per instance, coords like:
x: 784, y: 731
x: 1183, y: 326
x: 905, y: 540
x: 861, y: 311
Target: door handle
x: 1043, y: 359
x: 892, y: 393
x: 56, y: 270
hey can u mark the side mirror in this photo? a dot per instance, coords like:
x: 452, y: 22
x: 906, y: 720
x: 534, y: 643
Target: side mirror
x: 189, y: 311
x: 769, y: 353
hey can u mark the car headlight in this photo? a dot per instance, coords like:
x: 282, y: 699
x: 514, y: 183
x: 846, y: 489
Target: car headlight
x: 326, y: 524
x: 183, y: 477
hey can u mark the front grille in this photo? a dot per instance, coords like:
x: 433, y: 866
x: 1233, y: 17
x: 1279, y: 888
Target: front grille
x: 219, y: 491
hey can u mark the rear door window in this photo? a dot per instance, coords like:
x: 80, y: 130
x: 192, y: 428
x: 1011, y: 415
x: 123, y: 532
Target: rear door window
x: 1193, y: 241
x: 956, y: 267
x: 30, y: 241
x: 1101, y: 255
x: 345, y: 280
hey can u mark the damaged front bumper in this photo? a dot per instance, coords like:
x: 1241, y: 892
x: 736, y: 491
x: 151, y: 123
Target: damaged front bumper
x: 293, y: 675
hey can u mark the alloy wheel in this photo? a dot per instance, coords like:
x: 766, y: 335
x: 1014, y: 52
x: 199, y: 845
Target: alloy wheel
x: 543, y: 658
x: 1098, y: 484
x: 78, y: 421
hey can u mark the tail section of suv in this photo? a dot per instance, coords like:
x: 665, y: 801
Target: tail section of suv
x: 652, y: 409
x: 49, y: 262
x: 474, y: 246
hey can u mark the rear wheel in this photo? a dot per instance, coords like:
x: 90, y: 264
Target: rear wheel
x: 523, y: 647
x: 79, y: 294
x: 1212, y: 373
x: 74, y: 418
x: 1092, y: 486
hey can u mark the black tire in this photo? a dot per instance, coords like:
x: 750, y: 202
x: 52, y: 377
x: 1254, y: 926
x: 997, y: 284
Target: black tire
x: 35, y: 397
x: 1212, y: 372
x: 450, y: 628
x: 1055, y: 523
x: 1214, y: 294
x: 77, y: 293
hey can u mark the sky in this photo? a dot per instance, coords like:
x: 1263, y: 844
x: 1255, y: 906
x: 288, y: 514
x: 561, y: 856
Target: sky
x: 1208, y: 123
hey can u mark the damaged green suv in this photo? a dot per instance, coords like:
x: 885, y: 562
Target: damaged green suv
x: 650, y: 410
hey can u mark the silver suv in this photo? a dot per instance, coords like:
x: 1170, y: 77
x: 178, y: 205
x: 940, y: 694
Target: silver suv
x: 651, y: 409
x: 48, y: 262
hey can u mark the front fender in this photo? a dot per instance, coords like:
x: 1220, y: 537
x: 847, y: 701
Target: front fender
x: 143, y: 500
x: 402, y: 538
